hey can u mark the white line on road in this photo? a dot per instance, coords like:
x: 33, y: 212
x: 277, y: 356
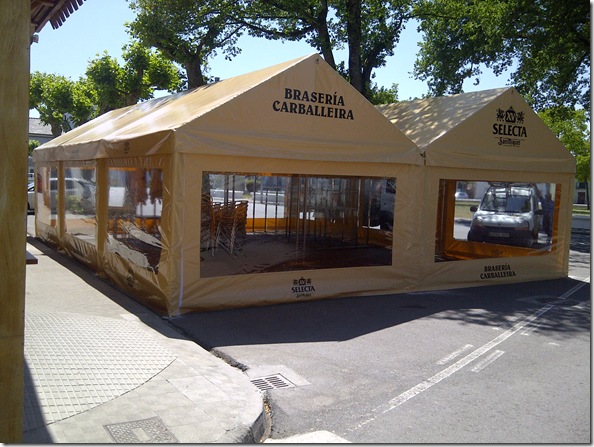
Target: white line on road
x: 530, y: 328
x: 444, y: 374
x: 487, y: 360
x: 453, y: 355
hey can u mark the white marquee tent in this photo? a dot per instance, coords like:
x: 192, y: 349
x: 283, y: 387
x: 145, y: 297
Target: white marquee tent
x: 285, y: 184
x: 490, y: 136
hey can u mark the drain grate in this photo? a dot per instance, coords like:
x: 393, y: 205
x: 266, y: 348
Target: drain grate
x: 144, y: 431
x: 272, y: 382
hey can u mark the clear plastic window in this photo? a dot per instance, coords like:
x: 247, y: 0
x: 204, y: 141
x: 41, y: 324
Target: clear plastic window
x: 135, y: 204
x: 80, y: 191
x: 47, y: 195
x: 478, y: 219
x: 254, y: 223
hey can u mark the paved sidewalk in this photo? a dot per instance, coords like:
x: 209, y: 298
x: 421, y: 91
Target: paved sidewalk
x: 101, y: 368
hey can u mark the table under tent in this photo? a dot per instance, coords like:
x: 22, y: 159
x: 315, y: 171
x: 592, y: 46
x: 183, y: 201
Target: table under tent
x: 280, y: 185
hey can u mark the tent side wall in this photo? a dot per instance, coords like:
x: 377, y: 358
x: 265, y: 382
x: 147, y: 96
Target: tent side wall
x: 114, y: 216
x: 139, y: 254
x: 201, y: 292
x: 477, y: 264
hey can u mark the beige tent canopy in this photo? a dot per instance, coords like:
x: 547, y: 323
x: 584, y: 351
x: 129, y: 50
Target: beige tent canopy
x: 299, y: 109
x: 472, y: 142
x: 261, y: 188
x: 491, y: 129
x: 285, y: 184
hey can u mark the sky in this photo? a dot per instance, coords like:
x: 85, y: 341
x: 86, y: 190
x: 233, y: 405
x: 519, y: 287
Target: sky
x: 98, y: 26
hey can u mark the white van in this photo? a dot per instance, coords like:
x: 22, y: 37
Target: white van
x: 508, y: 214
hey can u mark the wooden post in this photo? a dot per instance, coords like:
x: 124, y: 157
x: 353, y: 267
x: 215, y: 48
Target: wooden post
x: 15, y: 20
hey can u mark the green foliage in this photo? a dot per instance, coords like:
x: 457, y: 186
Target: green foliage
x: 251, y: 185
x: 545, y: 43
x: 64, y: 104
x: 105, y: 74
x: 188, y: 33
x: 61, y: 103
x: 311, y: 20
x: 370, y: 30
x: 32, y: 145
x: 572, y: 129
x: 383, y: 95
x: 74, y: 205
x: 143, y: 72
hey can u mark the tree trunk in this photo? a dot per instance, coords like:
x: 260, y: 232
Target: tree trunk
x: 194, y: 73
x: 56, y: 128
x: 354, y: 36
x: 324, y: 34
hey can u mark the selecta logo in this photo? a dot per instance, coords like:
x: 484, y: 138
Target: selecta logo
x: 509, y: 128
x: 302, y: 287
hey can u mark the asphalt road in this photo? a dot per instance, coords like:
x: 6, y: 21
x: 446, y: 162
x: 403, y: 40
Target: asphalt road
x: 502, y: 364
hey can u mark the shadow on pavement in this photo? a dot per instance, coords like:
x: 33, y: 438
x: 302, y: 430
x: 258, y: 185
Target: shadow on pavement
x: 347, y: 318
x: 144, y: 313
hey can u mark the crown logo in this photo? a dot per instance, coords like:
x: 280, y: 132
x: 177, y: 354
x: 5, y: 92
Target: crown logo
x: 301, y: 281
x: 510, y: 116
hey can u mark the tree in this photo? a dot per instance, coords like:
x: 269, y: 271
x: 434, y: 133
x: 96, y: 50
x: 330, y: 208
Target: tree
x: 383, y: 95
x: 373, y: 30
x: 33, y: 144
x: 105, y: 74
x: 144, y: 71
x: 572, y: 129
x: 61, y: 103
x: 545, y: 43
x: 287, y: 20
x: 369, y: 29
x: 188, y: 32
x: 64, y: 104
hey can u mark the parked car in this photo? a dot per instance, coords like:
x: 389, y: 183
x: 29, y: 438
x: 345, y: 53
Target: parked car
x: 79, y: 192
x: 31, y: 197
x: 461, y: 195
x: 508, y: 214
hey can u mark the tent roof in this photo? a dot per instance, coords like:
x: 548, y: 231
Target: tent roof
x: 425, y: 120
x: 299, y: 109
x: 490, y: 129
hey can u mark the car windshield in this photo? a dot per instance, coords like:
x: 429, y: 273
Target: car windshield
x: 507, y: 200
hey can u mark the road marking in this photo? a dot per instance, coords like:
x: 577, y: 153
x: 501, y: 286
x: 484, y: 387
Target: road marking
x: 453, y: 355
x: 530, y: 328
x: 447, y: 372
x: 509, y: 321
x: 487, y: 361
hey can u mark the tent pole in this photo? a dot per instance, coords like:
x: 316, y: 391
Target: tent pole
x: 254, y: 205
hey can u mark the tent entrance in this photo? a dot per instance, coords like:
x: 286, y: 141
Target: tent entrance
x: 262, y: 222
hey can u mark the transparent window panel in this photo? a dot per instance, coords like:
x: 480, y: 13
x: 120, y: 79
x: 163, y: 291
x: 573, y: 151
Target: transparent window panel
x: 47, y: 195
x: 519, y: 217
x: 254, y: 223
x: 135, y: 204
x: 80, y: 190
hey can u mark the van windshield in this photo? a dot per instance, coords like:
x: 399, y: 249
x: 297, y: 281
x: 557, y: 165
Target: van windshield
x: 507, y: 200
